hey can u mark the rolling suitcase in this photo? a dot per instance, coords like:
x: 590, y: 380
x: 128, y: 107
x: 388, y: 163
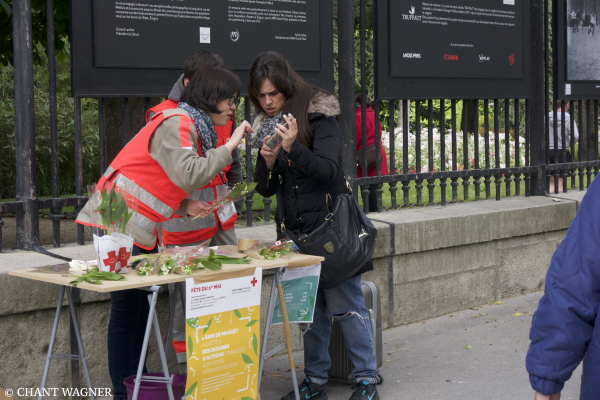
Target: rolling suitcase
x: 341, y: 366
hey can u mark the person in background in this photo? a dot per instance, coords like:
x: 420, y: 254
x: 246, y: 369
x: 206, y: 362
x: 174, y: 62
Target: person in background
x: 169, y: 158
x: 372, y: 171
x: 217, y: 227
x: 565, y: 329
x: 305, y: 169
x: 555, y: 127
x: 592, y: 24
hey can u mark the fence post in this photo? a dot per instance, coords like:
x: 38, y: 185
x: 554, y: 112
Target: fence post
x: 536, y: 109
x: 347, y: 118
x: 28, y: 231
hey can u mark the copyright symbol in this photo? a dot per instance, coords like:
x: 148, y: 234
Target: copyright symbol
x: 8, y: 392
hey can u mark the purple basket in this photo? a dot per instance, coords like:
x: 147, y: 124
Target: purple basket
x: 156, y: 390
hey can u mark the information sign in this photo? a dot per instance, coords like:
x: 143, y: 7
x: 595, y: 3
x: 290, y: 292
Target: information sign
x: 160, y: 33
x: 137, y: 48
x: 300, y: 292
x: 452, y: 48
x: 222, y: 333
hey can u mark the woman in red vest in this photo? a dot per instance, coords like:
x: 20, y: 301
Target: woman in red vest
x: 173, y: 155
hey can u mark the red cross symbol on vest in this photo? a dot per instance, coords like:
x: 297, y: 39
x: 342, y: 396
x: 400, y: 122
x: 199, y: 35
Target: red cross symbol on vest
x: 253, y: 281
x: 111, y: 260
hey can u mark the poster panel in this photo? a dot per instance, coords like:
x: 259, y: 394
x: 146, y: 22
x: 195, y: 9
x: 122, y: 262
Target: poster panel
x: 223, y: 330
x: 452, y: 48
x: 126, y: 48
x: 300, y: 293
x: 578, y: 53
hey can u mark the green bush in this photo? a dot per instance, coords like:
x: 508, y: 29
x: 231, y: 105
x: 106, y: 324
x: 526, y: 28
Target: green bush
x: 66, y: 134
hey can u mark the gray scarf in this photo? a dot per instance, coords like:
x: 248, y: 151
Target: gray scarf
x: 204, y: 127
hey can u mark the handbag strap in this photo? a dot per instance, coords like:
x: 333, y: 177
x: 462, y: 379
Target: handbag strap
x: 280, y: 208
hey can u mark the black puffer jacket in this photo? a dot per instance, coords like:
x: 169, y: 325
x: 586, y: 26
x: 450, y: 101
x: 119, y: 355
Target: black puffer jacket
x: 306, y: 176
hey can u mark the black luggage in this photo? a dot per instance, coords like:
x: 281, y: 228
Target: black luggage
x: 341, y: 366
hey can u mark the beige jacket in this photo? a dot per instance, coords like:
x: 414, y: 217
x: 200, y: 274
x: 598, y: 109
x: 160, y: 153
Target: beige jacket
x: 183, y: 165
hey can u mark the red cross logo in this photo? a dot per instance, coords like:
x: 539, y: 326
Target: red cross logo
x: 111, y: 261
x: 253, y: 281
x: 124, y: 256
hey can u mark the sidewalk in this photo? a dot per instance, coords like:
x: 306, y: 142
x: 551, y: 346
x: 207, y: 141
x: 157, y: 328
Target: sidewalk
x: 427, y: 360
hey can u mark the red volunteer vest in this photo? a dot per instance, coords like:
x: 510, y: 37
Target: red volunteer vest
x: 177, y: 232
x: 134, y: 170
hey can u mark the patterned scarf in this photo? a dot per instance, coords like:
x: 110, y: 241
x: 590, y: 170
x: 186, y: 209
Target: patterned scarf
x: 204, y: 127
x: 266, y: 129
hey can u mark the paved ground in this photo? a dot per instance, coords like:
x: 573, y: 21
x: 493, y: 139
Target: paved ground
x: 428, y: 360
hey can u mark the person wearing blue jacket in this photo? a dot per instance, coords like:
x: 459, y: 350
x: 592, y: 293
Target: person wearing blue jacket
x: 566, y: 326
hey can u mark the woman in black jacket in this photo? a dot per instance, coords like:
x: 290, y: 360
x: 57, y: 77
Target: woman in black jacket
x: 305, y: 168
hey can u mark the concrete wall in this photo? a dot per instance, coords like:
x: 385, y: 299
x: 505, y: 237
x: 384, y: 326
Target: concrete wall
x: 428, y: 262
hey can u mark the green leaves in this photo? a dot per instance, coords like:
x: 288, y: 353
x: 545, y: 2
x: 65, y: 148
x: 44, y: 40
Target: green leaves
x: 191, y: 389
x: 237, y: 313
x: 190, y: 346
x: 113, y: 210
x: 192, y: 322
x: 6, y: 8
x: 255, y: 343
x: 247, y: 358
x: 249, y: 324
x: 207, y: 325
x: 95, y: 277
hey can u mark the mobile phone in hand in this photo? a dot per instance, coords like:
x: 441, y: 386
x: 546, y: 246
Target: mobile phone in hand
x: 276, y: 139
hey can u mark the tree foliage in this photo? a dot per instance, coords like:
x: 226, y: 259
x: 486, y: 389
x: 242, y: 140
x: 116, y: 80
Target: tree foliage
x: 39, y: 26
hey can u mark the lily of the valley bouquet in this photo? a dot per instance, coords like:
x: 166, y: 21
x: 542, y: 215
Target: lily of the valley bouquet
x: 184, y: 261
x: 112, y: 211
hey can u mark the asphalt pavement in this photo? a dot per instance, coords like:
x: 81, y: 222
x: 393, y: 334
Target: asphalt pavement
x: 474, y: 354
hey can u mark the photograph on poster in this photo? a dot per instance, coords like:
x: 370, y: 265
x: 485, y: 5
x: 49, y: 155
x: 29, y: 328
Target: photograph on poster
x: 583, y: 42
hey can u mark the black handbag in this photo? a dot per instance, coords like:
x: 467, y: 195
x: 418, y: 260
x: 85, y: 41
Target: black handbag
x: 371, y: 156
x: 346, y: 240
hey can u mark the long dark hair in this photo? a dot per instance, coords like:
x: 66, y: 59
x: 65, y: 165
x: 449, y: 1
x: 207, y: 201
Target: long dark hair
x: 210, y: 85
x: 298, y: 94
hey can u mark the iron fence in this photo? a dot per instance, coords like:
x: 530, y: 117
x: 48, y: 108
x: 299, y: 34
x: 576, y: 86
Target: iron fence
x: 439, y: 151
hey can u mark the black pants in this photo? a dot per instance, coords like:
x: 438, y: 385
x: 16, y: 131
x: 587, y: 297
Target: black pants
x: 372, y: 198
x: 564, y: 156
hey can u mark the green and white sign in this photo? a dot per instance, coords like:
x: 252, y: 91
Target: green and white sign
x: 300, y: 292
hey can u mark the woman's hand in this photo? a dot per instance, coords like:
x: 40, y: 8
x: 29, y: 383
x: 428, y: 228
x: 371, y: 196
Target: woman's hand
x: 288, y: 134
x: 269, y: 154
x: 197, y: 208
x: 237, y: 136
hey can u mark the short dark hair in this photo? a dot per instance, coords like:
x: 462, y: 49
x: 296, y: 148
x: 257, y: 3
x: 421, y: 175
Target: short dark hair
x: 198, y: 59
x: 358, y: 100
x: 209, y: 86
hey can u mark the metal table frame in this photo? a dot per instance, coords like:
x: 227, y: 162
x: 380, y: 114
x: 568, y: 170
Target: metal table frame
x: 152, y: 322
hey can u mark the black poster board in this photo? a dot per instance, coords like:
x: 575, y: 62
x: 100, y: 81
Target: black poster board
x: 452, y: 49
x: 137, y: 49
x: 578, y: 51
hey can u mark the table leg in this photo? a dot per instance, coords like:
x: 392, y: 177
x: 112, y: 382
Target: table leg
x: 163, y: 358
x: 287, y: 332
x: 52, y: 339
x: 152, y: 320
x: 82, y: 355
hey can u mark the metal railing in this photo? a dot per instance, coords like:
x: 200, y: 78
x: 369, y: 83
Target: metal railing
x: 451, y: 150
